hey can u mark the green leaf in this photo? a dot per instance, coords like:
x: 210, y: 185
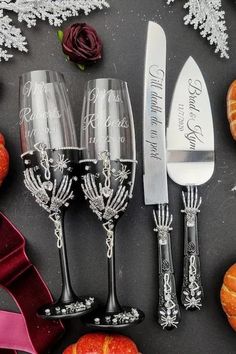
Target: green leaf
x: 81, y: 67
x: 60, y: 35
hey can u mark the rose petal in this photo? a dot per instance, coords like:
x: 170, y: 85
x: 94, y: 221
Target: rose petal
x: 81, y: 43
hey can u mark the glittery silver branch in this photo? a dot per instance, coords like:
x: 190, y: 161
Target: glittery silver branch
x: 208, y: 17
x: 55, y: 11
x: 29, y: 11
x: 10, y: 37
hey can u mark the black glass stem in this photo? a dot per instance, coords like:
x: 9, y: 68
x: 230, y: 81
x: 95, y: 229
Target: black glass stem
x: 112, y: 304
x: 68, y: 299
x: 67, y: 293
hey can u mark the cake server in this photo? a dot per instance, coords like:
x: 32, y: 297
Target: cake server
x: 155, y: 173
x: 190, y: 163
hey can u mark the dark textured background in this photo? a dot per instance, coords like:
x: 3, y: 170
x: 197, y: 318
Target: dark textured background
x: 123, y: 31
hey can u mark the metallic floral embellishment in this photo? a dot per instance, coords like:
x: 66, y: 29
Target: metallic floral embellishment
x: 163, y: 221
x: 191, y: 205
x: 191, y: 247
x: 165, y: 265
x: 105, y: 157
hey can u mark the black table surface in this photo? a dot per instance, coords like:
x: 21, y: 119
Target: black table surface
x: 123, y: 32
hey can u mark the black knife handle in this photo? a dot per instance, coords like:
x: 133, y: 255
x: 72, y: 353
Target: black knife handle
x: 168, y: 307
x: 192, y: 290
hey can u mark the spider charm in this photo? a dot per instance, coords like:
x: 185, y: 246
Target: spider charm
x: 192, y: 302
x: 191, y: 204
x: 168, y: 321
x: 122, y: 174
x: 61, y: 163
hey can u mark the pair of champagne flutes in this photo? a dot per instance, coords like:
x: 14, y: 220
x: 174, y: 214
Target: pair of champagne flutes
x: 101, y: 166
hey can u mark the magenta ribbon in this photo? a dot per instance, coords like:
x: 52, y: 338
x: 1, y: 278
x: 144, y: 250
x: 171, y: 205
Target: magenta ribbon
x: 23, y: 331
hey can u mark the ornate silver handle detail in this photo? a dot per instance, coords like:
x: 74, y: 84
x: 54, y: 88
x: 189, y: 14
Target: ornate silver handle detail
x: 192, y: 291
x: 168, y: 307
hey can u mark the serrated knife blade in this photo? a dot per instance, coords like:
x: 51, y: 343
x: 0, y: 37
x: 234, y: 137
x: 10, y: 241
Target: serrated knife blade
x: 154, y: 143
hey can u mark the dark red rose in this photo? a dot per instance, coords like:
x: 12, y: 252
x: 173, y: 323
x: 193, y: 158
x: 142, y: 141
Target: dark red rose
x: 81, y: 44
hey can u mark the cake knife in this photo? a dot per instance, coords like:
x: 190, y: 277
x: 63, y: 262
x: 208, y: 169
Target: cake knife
x: 155, y: 173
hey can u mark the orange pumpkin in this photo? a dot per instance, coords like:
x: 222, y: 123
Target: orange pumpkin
x: 101, y: 343
x: 4, y: 159
x: 231, y: 108
x: 228, y: 295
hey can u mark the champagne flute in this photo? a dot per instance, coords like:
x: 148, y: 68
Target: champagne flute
x: 50, y: 154
x: 108, y: 168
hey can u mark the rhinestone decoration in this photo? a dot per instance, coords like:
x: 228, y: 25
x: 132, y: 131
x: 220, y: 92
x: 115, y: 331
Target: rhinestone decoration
x: 74, y: 307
